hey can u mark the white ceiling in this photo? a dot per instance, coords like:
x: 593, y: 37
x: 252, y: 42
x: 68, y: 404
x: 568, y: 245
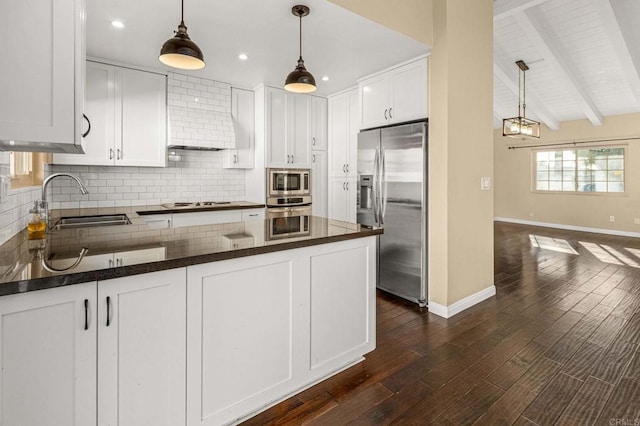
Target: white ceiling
x: 583, y: 55
x: 336, y: 42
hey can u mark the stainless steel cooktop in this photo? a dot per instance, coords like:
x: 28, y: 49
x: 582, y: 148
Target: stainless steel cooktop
x: 195, y: 204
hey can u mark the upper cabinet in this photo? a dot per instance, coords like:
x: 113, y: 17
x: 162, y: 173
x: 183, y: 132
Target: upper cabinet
x: 288, y: 129
x: 394, y: 96
x: 127, y: 112
x: 343, y: 134
x: 42, y: 75
x: 243, y: 116
x: 318, y: 123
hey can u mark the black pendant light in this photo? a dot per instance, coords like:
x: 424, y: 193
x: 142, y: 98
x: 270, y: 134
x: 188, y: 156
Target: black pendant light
x: 300, y: 80
x: 180, y: 52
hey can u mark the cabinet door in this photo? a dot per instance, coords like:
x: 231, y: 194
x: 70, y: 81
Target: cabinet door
x: 99, y: 107
x: 338, y: 199
x: 374, y: 98
x: 338, y: 135
x: 299, y: 141
x: 352, y: 202
x: 90, y: 262
x: 41, y: 78
x: 141, y: 349
x: 409, y: 92
x: 342, y: 303
x: 205, y: 218
x: 318, y: 123
x: 48, y: 358
x: 136, y: 257
x: 352, y: 133
x: 141, y: 111
x: 236, y: 366
x: 242, y: 114
x: 276, y: 131
x: 319, y: 183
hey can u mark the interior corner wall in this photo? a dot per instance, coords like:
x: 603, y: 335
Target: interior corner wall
x: 514, y: 198
x: 412, y: 18
x: 460, y: 150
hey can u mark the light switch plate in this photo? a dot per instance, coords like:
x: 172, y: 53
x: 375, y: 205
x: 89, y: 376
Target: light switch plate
x: 485, y: 183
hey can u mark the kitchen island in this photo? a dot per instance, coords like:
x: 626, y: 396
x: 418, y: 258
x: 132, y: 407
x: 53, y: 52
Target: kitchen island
x: 197, y: 325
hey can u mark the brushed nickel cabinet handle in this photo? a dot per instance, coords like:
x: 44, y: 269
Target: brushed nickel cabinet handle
x: 390, y: 109
x: 385, y: 114
x: 86, y: 314
x: 119, y: 154
x: 110, y: 153
x: 108, y: 311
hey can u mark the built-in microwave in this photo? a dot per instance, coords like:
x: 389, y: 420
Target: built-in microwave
x: 288, y: 187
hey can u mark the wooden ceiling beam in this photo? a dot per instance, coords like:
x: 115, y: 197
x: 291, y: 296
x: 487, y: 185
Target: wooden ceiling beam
x: 620, y: 45
x: 530, y: 21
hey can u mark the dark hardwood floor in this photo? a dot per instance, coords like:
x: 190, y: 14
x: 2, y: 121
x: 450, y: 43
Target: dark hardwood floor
x: 559, y: 344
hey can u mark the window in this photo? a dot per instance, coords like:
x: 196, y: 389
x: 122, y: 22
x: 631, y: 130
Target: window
x: 27, y: 168
x: 580, y: 170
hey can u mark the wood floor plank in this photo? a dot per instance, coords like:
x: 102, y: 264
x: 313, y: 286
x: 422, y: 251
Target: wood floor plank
x: 509, y: 373
x: 308, y: 411
x: 552, y: 401
x: 474, y: 404
x: 508, y: 407
x: 587, y: 404
x: 624, y: 403
x: 582, y: 362
x: 587, y: 303
x: 539, y: 375
x: 614, y: 362
x: 633, y: 369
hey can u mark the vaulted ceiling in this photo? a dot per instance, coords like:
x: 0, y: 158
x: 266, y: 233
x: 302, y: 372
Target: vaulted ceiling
x: 583, y: 58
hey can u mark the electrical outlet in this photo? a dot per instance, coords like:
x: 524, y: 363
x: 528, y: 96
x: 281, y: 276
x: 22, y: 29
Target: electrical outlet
x: 612, y: 218
x: 636, y: 220
x: 531, y: 214
x: 485, y: 183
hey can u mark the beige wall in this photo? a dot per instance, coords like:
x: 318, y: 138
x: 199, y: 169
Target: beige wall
x: 513, y: 179
x: 460, y: 131
x: 409, y: 17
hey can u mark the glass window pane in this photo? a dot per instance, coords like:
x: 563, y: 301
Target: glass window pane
x: 571, y: 165
x: 555, y: 175
x: 542, y: 156
x: 568, y: 186
x: 615, y: 176
x: 600, y: 175
x: 585, y: 174
x: 586, y: 186
x: 555, y: 186
x: 542, y: 176
x: 616, y: 164
x: 601, y: 186
x: 600, y: 164
x: 616, y: 151
x: 542, y: 185
x: 543, y: 165
x: 616, y: 187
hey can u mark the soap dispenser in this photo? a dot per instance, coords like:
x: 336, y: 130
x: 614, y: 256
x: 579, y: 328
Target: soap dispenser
x: 37, y: 224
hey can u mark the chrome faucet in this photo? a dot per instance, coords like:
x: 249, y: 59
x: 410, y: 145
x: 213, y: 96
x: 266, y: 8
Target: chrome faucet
x: 43, y: 201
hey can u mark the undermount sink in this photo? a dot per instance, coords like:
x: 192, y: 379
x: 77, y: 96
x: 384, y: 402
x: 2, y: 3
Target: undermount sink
x: 91, y: 221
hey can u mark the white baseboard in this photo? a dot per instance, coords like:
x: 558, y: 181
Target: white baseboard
x: 568, y: 227
x: 461, y: 305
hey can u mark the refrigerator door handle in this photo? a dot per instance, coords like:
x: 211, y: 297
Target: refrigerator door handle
x: 383, y: 186
x: 374, y: 196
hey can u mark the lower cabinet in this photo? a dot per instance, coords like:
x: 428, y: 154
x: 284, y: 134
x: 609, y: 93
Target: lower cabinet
x: 114, y: 350
x: 48, y: 357
x: 141, y: 349
x: 262, y: 327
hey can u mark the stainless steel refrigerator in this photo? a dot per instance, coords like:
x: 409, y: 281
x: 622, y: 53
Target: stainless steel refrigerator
x: 392, y: 193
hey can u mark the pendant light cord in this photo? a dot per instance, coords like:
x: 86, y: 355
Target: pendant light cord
x: 519, y: 92
x: 182, y: 14
x: 300, y: 28
x: 524, y: 94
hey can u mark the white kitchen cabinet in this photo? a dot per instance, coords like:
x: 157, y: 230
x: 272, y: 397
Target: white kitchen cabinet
x: 243, y: 116
x: 318, y: 119
x: 141, y: 349
x: 42, y: 75
x: 205, y: 218
x: 319, y: 183
x: 342, y: 320
x: 253, y: 214
x: 48, y: 357
x: 127, y: 110
x: 287, y: 129
x: 343, y: 134
x: 394, y: 96
x: 342, y: 199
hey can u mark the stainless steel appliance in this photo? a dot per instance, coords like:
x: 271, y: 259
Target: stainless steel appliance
x: 392, y: 182
x: 288, y: 222
x: 287, y: 187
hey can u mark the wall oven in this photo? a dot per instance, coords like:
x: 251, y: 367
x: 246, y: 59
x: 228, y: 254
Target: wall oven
x: 288, y: 222
x: 288, y: 187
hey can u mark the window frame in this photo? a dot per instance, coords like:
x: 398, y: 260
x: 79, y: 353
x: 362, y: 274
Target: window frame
x: 534, y: 171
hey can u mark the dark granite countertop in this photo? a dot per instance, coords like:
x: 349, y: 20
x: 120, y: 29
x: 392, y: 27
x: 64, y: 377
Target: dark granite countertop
x: 123, y: 250
x: 162, y: 209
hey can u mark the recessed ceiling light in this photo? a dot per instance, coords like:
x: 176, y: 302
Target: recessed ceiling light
x: 325, y: 78
x: 117, y: 24
x: 243, y: 57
